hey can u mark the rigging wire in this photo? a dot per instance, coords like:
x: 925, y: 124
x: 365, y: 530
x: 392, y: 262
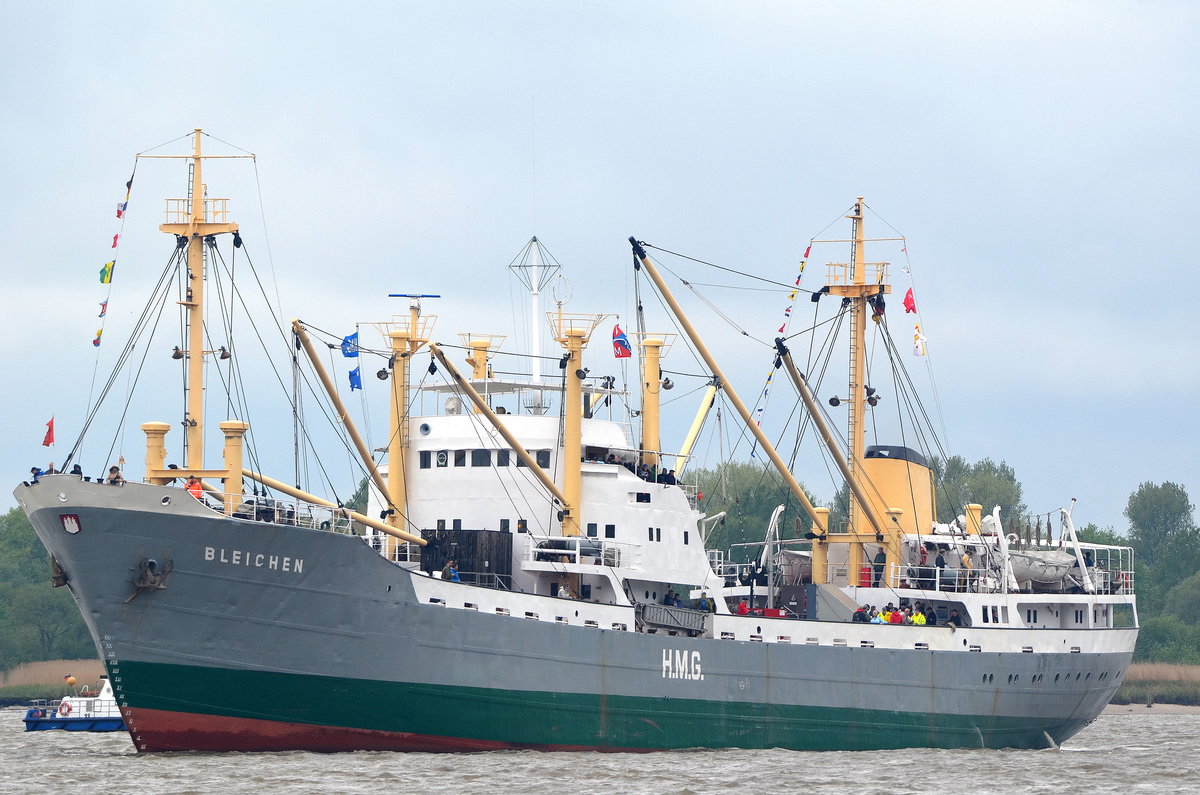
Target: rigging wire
x: 123, y: 356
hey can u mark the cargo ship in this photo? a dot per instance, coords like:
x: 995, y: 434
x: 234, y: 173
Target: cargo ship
x: 532, y: 573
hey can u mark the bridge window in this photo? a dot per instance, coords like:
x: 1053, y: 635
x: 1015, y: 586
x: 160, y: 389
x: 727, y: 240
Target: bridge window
x: 481, y: 458
x: 460, y: 458
x: 502, y: 457
x: 610, y: 531
x: 426, y: 459
x: 503, y: 525
x: 543, y: 459
x: 592, y: 529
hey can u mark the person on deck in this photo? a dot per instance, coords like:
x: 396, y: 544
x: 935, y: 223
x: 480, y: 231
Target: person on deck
x: 50, y: 470
x: 880, y: 562
x: 194, y: 487
x: 954, y: 620
x: 743, y: 609
x: 114, y: 476
x: 450, y: 571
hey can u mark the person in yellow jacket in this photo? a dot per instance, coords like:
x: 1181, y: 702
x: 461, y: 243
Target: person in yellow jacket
x: 918, y: 618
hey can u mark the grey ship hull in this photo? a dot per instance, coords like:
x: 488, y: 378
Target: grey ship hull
x: 268, y: 637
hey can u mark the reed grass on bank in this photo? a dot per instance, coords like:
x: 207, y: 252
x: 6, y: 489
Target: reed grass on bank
x: 1160, y: 683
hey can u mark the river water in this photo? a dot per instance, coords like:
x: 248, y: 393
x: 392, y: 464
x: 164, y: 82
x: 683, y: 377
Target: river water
x: 1118, y: 753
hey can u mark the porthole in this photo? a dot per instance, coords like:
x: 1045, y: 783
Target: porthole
x: 1078, y: 675
x: 424, y: 429
x: 1088, y: 677
x: 985, y: 678
x: 62, y: 497
x: 1056, y: 676
x: 166, y: 500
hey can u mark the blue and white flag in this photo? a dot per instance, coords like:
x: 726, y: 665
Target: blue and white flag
x: 355, y: 378
x: 350, y: 347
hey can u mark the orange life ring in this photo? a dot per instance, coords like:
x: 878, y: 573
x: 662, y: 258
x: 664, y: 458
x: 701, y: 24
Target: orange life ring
x: 64, y: 709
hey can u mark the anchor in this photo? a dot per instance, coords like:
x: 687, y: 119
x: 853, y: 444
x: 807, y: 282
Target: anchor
x: 150, y: 576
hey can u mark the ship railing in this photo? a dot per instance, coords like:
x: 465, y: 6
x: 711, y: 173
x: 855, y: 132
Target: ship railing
x: 179, y: 211
x: 1109, y: 581
x: 580, y: 549
x: 486, y: 579
x: 290, y: 512
x: 928, y: 578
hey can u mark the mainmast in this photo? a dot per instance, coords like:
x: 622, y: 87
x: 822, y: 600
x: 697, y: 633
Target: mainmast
x: 861, y: 283
x: 858, y: 356
x: 193, y: 226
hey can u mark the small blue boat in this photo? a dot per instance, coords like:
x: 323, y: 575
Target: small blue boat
x: 89, y: 711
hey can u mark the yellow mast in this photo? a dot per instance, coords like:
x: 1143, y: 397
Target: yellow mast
x: 858, y: 289
x: 406, y: 339
x: 651, y: 396
x: 195, y: 230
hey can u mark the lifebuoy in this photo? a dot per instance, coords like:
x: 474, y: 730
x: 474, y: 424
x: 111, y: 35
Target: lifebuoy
x: 64, y: 709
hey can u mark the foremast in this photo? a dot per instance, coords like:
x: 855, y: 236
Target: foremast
x: 194, y: 227
x: 195, y: 221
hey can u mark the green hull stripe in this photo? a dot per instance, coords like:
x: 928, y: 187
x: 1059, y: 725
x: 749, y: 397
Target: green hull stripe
x: 540, y: 718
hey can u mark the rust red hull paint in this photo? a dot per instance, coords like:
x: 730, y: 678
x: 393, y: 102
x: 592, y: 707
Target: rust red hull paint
x: 159, y: 730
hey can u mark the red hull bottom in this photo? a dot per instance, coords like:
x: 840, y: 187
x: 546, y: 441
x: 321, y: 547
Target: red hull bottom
x: 160, y: 730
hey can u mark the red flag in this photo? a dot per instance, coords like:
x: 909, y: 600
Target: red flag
x: 807, y: 250
x: 49, y: 438
x: 621, y: 347
x: 910, y: 303
x: 114, y: 245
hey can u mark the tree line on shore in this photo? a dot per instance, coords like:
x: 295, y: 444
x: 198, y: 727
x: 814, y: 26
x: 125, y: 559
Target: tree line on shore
x: 40, y: 622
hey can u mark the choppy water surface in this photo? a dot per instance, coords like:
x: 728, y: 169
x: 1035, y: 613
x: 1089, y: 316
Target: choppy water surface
x: 1118, y: 753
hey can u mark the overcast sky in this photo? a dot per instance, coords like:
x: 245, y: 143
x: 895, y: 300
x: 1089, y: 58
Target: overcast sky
x: 1039, y: 157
